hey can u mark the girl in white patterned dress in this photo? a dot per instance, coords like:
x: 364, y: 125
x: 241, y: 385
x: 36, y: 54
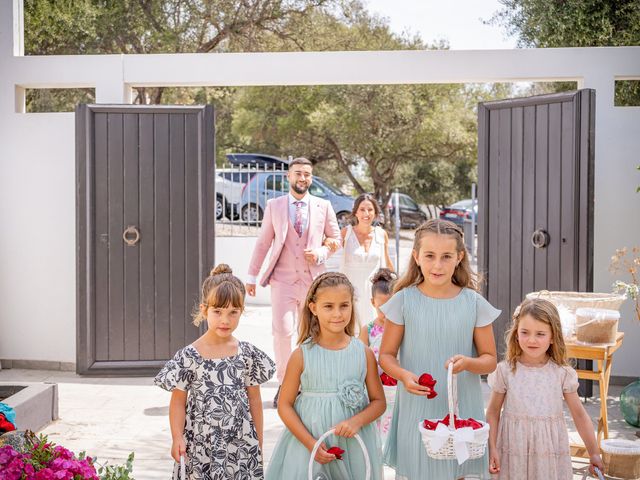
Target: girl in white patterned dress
x: 215, y: 413
x: 529, y: 439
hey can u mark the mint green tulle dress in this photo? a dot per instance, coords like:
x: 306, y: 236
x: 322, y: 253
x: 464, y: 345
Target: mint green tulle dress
x: 332, y: 390
x: 434, y: 330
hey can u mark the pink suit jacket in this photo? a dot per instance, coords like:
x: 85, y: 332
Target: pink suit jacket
x: 275, y: 223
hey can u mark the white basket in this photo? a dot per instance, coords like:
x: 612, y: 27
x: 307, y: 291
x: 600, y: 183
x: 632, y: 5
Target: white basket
x: 448, y: 443
x: 367, y: 461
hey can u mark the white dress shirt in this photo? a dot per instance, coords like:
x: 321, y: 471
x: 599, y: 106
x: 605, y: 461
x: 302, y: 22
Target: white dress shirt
x: 305, y: 210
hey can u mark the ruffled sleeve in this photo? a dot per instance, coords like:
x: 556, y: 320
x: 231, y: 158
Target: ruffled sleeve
x: 569, y: 380
x: 259, y: 368
x: 485, y: 312
x: 497, y: 380
x: 393, y: 308
x: 178, y: 372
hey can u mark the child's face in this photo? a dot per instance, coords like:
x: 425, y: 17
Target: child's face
x: 222, y: 321
x: 534, y: 338
x: 366, y: 212
x: 437, y: 258
x: 378, y: 300
x: 333, y: 307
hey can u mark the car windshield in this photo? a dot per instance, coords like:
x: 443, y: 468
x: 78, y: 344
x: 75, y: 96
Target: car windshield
x: 333, y: 190
x: 462, y: 204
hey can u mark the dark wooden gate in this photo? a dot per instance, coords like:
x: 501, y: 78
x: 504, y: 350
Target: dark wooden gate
x: 145, y: 215
x: 535, y: 197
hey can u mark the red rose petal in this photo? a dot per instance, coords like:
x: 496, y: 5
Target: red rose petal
x: 337, y: 451
x: 388, y: 380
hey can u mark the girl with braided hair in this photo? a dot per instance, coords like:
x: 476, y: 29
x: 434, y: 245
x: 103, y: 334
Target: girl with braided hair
x: 337, y: 377
x: 435, y: 317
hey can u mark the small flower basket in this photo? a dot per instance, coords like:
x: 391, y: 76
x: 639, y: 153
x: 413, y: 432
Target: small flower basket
x: 449, y: 443
x: 367, y: 460
x: 621, y: 458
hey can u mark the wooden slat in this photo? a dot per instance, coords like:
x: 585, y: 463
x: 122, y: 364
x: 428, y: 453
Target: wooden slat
x: 569, y: 207
x: 493, y: 216
x: 178, y: 308
x: 116, y: 244
x: 503, y: 193
x: 162, y: 204
x: 483, y: 185
x: 541, y: 193
x: 516, y: 196
x: 131, y: 254
x: 585, y: 115
x: 528, y: 198
x: 192, y: 230
x: 102, y: 237
x: 554, y: 207
x: 147, y: 245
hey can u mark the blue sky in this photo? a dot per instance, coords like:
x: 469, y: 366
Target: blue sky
x: 457, y: 21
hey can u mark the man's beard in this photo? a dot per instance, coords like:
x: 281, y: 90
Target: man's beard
x: 300, y: 190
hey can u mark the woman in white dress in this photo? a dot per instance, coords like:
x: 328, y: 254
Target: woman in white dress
x: 365, y: 250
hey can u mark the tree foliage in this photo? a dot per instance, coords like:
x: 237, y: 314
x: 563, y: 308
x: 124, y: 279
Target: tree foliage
x: 575, y: 23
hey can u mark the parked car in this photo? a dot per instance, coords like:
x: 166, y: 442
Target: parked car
x: 411, y: 215
x: 264, y: 186
x: 231, y: 181
x: 459, y: 212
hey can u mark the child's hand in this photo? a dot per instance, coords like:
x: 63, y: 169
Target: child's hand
x: 322, y: 456
x: 595, y: 461
x: 178, y: 448
x: 494, y: 462
x: 411, y: 385
x: 459, y: 363
x: 348, y: 428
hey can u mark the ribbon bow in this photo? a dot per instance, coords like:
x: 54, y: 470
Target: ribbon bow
x: 460, y: 438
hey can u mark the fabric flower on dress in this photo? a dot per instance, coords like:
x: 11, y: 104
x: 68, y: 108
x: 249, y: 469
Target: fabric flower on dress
x: 351, y: 394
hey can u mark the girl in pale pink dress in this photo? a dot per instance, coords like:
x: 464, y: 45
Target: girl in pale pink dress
x: 529, y: 438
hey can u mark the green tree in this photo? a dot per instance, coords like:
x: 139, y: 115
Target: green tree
x: 575, y: 23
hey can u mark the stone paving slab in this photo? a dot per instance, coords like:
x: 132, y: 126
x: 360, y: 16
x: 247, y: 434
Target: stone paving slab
x: 111, y: 417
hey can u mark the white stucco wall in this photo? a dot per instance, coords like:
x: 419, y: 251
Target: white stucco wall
x: 37, y: 162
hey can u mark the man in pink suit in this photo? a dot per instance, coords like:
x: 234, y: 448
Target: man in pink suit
x: 294, y: 226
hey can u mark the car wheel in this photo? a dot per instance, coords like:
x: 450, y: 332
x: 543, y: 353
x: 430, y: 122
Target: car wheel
x: 219, y: 207
x: 251, y: 213
x: 344, y: 219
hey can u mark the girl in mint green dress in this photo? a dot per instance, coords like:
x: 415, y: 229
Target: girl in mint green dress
x: 435, y: 317
x: 337, y: 377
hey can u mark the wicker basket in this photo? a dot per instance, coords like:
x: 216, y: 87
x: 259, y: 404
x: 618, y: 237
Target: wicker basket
x: 367, y: 460
x: 474, y: 442
x: 575, y: 300
x: 621, y: 458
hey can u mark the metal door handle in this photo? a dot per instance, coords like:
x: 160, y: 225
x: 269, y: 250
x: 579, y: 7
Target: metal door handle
x: 540, y: 238
x: 131, y: 235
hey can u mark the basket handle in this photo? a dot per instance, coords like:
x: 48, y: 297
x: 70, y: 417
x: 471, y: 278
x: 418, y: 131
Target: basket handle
x: 183, y: 473
x: 452, y: 396
x: 367, y: 461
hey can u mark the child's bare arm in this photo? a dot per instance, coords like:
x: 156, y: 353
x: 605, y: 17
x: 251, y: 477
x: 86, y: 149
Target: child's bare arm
x: 585, y: 428
x: 177, y: 416
x: 391, y: 340
x: 288, y: 414
x: 255, y: 407
x: 377, y: 401
x: 364, y: 335
x: 493, y: 419
x: 487, y: 358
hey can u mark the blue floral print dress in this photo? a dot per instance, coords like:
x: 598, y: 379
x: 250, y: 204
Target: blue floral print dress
x: 222, y: 443
x: 332, y: 389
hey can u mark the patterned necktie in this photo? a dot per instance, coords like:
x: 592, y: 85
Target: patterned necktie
x: 297, y: 225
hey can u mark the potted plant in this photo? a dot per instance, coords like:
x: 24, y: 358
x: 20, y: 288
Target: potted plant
x: 628, y: 261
